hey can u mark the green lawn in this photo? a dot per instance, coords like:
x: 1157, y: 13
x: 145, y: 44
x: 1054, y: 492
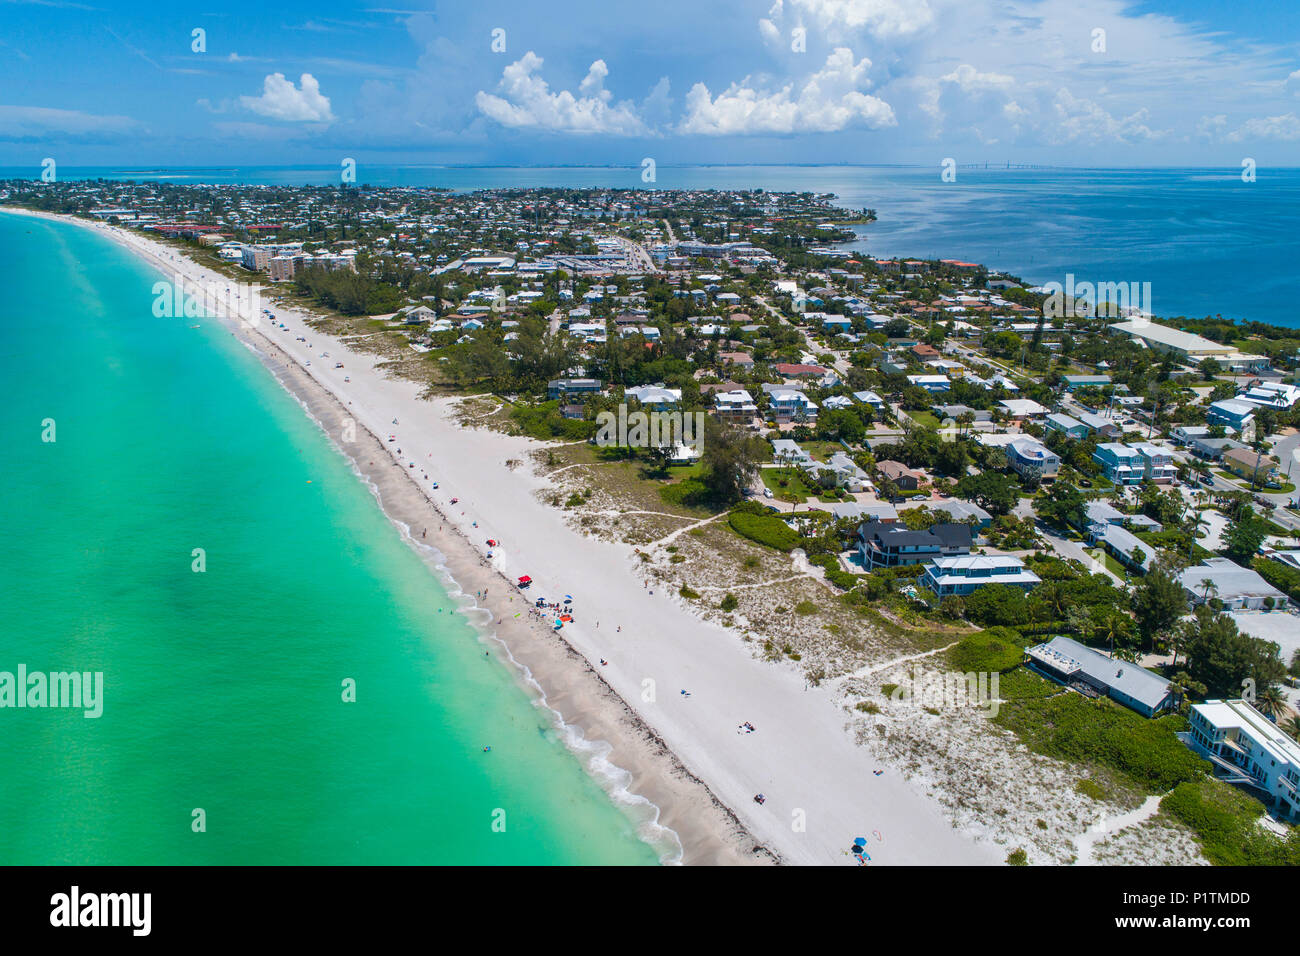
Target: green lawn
x: 795, y: 488
x: 925, y: 419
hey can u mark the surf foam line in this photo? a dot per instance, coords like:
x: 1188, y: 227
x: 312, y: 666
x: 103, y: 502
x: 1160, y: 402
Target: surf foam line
x: 592, y: 755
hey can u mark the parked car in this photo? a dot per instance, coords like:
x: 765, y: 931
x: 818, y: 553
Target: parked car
x: 767, y: 492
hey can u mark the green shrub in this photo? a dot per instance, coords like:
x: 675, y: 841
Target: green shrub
x: 994, y: 650
x: 1075, y: 728
x: 729, y: 603
x: 834, y: 573
x: 688, y: 493
x: 1018, y: 857
x: 1091, y: 788
x: 805, y: 608
x: 767, y: 530
x: 1226, y: 823
x: 687, y: 593
x: 544, y: 421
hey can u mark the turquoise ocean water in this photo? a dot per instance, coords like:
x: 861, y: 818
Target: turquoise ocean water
x: 223, y: 688
x: 1209, y: 243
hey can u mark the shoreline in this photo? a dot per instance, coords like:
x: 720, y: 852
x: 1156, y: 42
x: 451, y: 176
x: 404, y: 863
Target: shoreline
x: 674, y: 812
x: 679, y: 753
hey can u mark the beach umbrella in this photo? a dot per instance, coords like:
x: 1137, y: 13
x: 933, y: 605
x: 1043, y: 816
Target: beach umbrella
x: 856, y: 848
x: 860, y: 841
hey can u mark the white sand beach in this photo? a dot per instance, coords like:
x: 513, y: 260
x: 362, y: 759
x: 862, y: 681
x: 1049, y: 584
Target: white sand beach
x: 681, y: 752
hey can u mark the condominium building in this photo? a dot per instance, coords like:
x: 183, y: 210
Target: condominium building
x: 1246, y: 747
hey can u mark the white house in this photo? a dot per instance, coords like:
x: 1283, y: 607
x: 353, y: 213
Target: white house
x: 968, y: 573
x: 1235, y: 736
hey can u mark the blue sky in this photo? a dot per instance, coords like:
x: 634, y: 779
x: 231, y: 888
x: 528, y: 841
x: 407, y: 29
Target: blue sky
x: 1066, y: 82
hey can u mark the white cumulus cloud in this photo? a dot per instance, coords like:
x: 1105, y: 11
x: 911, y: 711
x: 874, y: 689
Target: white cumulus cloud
x: 828, y: 101
x: 1285, y: 127
x: 282, y: 100
x: 883, y: 19
x: 1083, y: 119
x: 526, y: 101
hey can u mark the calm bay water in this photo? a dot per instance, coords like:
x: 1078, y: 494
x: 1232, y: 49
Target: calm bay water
x: 1206, y: 241
x: 223, y: 688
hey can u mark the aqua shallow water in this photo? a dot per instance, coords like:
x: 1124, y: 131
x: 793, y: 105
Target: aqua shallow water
x: 223, y: 688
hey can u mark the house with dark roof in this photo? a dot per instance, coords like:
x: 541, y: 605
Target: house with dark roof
x: 891, y: 545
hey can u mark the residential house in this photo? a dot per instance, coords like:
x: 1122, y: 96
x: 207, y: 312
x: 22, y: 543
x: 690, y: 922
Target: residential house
x: 1105, y: 427
x: 888, y: 545
x: 654, y: 397
x: 966, y: 574
x: 871, y: 398
x: 787, y: 404
x: 571, y: 386
x: 1076, y: 665
x: 931, y: 383
x: 1021, y: 409
x: 1248, y: 463
x: 1120, y: 463
x: 788, y: 452
x: 1070, y: 427
x: 1123, y: 545
x: 1237, y: 587
x: 964, y: 511
x: 1231, y: 413
x: 1212, y: 449
x: 1072, y: 382
x: 1032, y: 459
x: 735, y: 406
x: 900, y: 474
x: 799, y: 370
x: 1158, y: 463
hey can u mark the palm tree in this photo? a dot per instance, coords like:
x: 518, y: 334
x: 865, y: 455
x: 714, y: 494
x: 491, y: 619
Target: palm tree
x: 1113, y: 625
x: 1270, y: 701
x: 1177, y: 634
x: 1052, y: 594
x: 1207, y: 585
x: 1292, y: 726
